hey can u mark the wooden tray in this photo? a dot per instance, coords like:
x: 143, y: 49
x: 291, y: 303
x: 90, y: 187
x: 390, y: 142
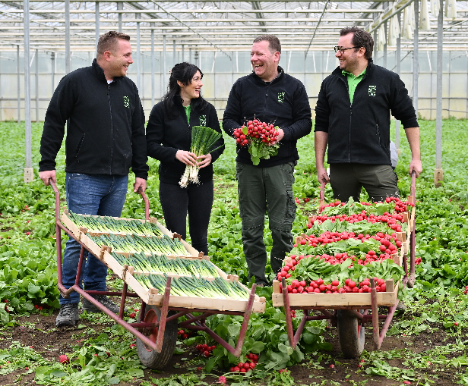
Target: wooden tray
x: 153, y: 297
x: 79, y: 232
x: 388, y: 298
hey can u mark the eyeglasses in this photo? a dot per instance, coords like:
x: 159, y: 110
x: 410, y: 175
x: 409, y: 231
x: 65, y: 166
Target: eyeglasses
x: 342, y: 50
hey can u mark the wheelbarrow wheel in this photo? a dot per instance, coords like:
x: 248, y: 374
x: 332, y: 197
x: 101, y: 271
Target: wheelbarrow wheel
x: 149, y: 357
x: 351, y: 334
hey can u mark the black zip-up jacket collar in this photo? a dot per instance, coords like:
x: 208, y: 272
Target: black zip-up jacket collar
x: 105, y: 129
x: 166, y: 134
x: 283, y: 102
x: 360, y: 132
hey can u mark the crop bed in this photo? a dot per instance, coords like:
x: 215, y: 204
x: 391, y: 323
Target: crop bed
x: 425, y: 345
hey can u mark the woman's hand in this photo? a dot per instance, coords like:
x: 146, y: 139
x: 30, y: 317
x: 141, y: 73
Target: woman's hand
x: 204, y: 161
x: 186, y: 157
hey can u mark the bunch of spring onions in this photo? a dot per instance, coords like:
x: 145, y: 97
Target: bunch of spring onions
x: 108, y: 224
x: 161, y: 264
x: 203, y: 140
x: 133, y: 243
x: 195, y: 287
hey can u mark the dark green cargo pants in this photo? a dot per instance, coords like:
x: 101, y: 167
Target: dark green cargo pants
x: 266, y: 190
x: 380, y: 181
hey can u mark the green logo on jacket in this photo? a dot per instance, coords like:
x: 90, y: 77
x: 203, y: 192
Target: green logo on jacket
x: 372, y: 91
x: 281, y: 96
x: 126, y: 100
x: 202, y: 120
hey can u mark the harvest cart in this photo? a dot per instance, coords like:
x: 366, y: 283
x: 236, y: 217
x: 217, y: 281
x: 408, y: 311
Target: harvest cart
x: 349, y: 312
x: 157, y: 324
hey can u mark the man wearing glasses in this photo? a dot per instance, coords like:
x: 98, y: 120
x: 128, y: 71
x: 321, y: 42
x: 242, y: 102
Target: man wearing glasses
x: 353, y: 119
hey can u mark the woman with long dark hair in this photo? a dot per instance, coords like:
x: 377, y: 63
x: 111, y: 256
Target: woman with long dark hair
x: 168, y: 136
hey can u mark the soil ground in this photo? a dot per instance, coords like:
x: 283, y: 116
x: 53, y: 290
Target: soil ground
x: 39, y: 331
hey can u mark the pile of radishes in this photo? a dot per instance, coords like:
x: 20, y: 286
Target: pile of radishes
x: 205, y: 350
x: 248, y: 365
x: 319, y: 286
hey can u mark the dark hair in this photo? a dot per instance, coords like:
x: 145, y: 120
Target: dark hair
x: 361, y: 38
x: 182, y: 72
x: 275, y: 44
x: 108, y: 41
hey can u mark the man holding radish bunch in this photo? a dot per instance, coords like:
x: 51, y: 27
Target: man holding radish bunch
x: 275, y: 110
x: 353, y: 119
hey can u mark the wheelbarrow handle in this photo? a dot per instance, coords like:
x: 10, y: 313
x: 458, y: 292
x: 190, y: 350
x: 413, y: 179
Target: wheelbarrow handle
x: 412, y: 197
x: 322, y: 194
x: 145, y: 199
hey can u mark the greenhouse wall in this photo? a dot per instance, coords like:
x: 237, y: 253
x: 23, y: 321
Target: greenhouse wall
x: 220, y: 72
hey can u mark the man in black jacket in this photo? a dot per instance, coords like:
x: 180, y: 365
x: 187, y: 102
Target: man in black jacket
x: 353, y: 119
x: 269, y: 95
x: 105, y: 137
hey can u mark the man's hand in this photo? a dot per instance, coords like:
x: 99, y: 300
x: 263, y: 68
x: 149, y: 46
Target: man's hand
x: 47, y: 175
x: 204, y: 161
x: 322, y: 175
x: 415, y: 166
x: 140, y: 183
x: 280, y: 135
x: 186, y: 157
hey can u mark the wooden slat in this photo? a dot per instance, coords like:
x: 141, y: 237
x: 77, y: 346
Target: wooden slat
x: 336, y: 300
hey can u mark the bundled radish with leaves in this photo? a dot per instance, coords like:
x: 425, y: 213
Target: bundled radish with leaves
x: 260, y: 137
x: 203, y: 140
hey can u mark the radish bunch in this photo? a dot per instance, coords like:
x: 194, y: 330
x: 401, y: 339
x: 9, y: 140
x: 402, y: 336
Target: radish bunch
x: 261, y: 139
x: 205, y: 350
x: 248, y: 365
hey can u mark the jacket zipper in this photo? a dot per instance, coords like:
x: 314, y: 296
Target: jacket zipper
x: 351, y: 113
x: 112, y: 128
x: 350, y: 119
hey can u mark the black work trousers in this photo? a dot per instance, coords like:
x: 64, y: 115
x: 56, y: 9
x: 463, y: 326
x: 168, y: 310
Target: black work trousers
x: 266, y: 190
x: 197, y: 201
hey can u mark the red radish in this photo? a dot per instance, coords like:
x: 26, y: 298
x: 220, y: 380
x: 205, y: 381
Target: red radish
x: 132, y: 315
x: 63, y: 359
x: 222, y: 379
x: 332, y: 366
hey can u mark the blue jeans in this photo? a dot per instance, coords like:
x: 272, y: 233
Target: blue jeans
x: 103, y: 195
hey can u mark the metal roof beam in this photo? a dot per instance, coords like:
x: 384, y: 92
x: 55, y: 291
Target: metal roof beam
x: 256, y: 6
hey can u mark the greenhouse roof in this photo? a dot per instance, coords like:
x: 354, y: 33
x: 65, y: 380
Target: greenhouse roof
x: 224, y: 26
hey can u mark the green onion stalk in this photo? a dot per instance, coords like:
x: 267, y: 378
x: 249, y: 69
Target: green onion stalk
x: 203, y: 140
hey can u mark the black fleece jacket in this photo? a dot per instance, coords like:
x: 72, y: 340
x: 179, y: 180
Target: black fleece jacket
x: 106, y: 125
x: 167, y: 134
x: 282, y: 101
x: 360, y: 132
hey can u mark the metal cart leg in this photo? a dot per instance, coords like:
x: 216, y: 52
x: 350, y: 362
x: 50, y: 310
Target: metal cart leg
x: 375, y: 316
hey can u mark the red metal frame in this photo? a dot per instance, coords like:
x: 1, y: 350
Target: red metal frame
x: 196, y: 323
x: 375, y: 317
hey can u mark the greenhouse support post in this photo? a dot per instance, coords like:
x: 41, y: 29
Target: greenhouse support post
x: 164, y: 66
x: 18, y: 83
x: 152, y: 66
x: 385, y: 50
x: 97, y: 24
x: 416, y: 56
x: 138, y: 55
x: 52, y: 58
x: 438, y: 173
x: 67, y: 38
x: 398, y: 60
x: 174, y: 54
x: 28, y: 170
x: 120, y: 8
x: 36, y: 81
